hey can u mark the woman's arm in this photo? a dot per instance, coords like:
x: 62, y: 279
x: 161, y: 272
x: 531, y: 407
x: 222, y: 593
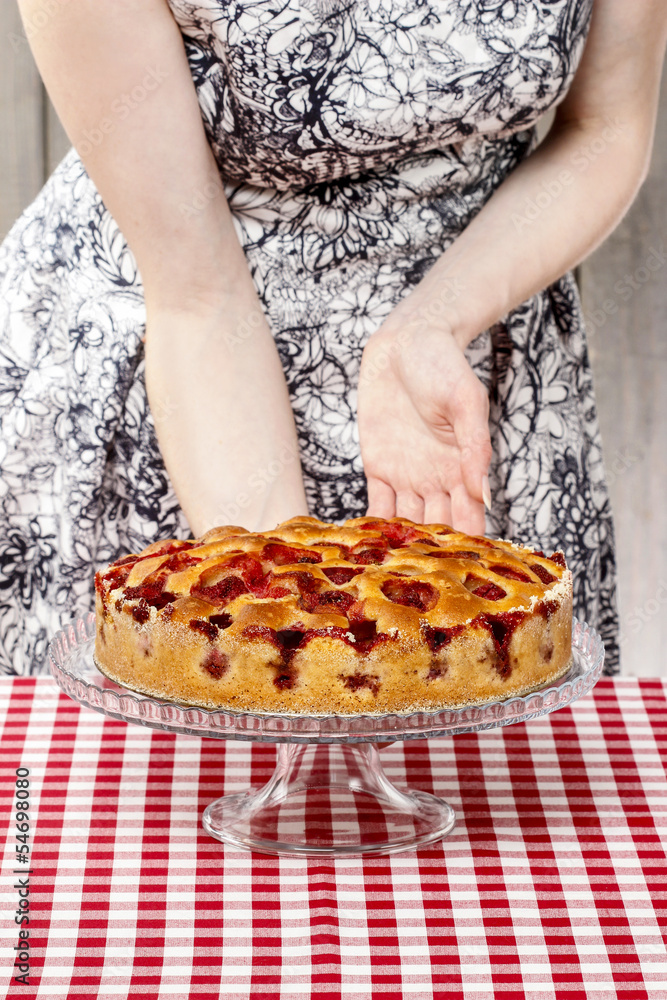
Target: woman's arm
x: 223, y: 415
x: 549, y: 214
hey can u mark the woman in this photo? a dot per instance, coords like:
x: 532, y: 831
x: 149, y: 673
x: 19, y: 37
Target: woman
x: 277, y: 216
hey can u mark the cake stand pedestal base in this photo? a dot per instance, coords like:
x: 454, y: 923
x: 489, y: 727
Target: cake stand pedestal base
x: 339, y: 797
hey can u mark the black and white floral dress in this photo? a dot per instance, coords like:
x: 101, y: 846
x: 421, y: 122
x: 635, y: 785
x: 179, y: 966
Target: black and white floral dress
x: 357, y: 139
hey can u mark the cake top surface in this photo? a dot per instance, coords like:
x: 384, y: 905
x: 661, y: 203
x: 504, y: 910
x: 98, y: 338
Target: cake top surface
x: 395, y: 572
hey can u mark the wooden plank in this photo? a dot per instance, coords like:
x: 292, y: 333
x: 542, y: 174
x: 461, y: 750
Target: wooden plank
x: 21, y: 120
x: 624, y: 291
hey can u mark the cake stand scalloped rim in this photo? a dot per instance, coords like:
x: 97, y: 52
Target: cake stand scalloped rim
x: 72, y: 665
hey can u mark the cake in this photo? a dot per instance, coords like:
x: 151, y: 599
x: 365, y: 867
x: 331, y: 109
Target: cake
x: 372, y: 616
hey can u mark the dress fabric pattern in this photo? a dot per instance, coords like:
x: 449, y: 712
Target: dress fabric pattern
x: 356, y: 142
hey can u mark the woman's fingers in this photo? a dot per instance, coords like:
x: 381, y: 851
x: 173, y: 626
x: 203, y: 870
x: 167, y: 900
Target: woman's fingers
x: 381, y: 499
x: 384, y: 502
x: 438, y: 510
x: 460, y: 511
x: 410, y: 505
x: 471, y: 427
x: 467, y: 513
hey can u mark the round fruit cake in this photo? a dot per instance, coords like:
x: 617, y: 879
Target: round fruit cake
x: 312, y: 618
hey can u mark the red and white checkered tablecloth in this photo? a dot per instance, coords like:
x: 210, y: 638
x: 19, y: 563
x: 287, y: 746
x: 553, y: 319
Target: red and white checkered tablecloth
x: 552, y: 885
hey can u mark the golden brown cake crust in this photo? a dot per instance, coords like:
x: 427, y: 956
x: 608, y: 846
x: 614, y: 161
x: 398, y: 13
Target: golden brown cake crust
x: 373, y: 616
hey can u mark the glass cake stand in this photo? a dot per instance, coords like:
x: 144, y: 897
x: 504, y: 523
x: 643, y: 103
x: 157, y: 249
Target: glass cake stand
x: 328, y: 795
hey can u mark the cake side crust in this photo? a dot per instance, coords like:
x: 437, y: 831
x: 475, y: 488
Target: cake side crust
x: 166, y: 659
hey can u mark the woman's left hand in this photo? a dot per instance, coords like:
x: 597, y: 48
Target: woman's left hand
x: 422, y: 412
x: 423, y: 425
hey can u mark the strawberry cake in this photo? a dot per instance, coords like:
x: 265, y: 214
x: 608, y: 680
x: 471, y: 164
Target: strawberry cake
x: 371, y: 616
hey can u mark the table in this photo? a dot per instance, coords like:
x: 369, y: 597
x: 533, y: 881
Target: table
x: 552, y: 885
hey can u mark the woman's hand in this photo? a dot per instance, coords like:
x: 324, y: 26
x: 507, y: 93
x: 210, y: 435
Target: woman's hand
x: 423, y: 425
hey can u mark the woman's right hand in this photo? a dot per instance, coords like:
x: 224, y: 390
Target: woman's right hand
x: 223, y: 417
x: 219, y: 399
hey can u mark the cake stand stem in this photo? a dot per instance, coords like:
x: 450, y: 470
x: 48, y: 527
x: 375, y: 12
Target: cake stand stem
x: 331, y: 800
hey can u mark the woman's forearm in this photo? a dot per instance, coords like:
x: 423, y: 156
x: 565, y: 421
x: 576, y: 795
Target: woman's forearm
x: 223, y: 416
x: 552, y: 211
x: 437, y: 467
x: 118, y: 76
x: 548, y: 215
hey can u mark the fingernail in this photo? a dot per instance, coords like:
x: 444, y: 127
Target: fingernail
x: 486, y: 493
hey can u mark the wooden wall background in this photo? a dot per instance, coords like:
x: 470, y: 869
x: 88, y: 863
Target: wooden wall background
x: 624, y: 290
